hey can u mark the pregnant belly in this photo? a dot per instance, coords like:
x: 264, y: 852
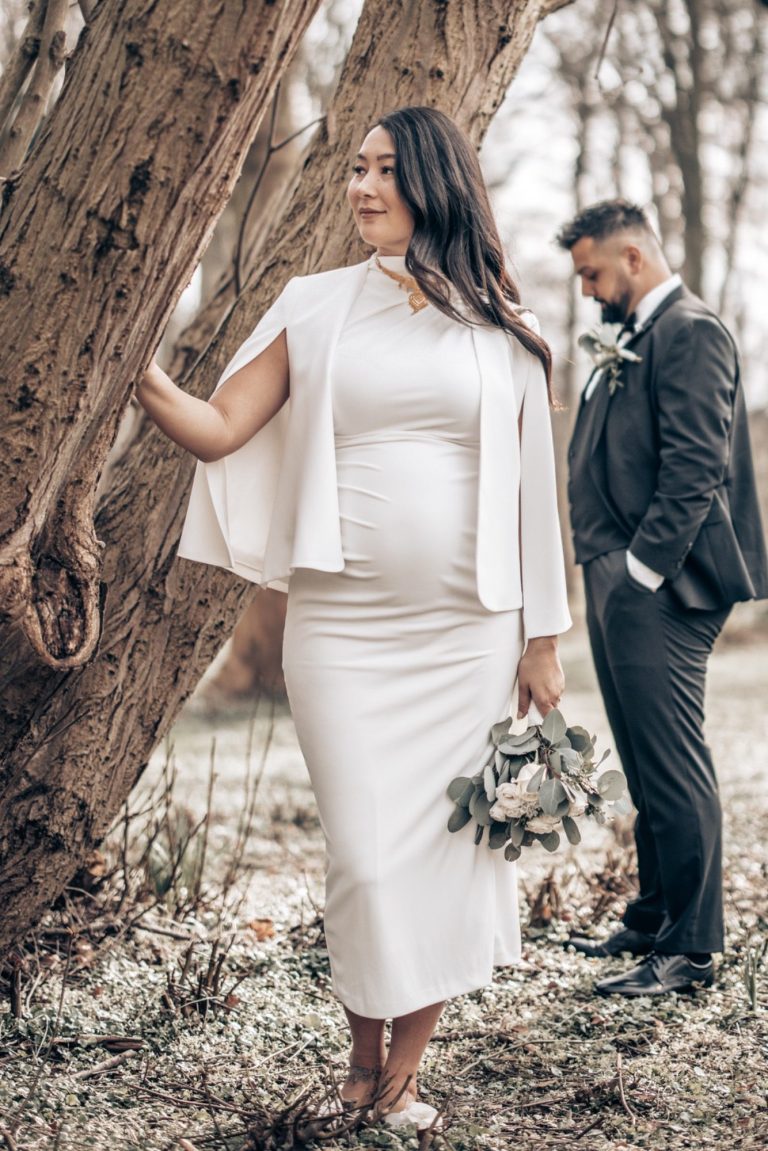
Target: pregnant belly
x: 408, y: 509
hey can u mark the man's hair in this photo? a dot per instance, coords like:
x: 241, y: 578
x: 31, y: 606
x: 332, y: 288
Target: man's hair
x: 604, y: 219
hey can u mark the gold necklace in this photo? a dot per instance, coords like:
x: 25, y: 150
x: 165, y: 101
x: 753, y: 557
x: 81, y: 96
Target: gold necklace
x: 416, y: 297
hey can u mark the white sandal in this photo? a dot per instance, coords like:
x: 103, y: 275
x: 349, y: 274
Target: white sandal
x: 416, y: 1114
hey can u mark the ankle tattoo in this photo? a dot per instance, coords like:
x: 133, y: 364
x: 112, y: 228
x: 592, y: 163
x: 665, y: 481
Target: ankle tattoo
x: 360, y: 1074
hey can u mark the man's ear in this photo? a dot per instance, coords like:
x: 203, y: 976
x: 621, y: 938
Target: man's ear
x: 633, y: 257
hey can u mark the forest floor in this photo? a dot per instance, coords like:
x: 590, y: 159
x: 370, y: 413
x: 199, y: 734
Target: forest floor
x: 179, y: 996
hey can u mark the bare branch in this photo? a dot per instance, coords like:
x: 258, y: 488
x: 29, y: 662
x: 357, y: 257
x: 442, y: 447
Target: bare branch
x: 22, y: 61
x: 550, y: 6
x: 33, y: 105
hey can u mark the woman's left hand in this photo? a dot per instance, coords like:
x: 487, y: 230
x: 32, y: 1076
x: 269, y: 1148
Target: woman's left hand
x: 539, y: 676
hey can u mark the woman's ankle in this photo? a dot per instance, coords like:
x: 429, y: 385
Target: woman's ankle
x: 398, y: 1087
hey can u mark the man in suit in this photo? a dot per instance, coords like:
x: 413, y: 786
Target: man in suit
x: 667, y: 527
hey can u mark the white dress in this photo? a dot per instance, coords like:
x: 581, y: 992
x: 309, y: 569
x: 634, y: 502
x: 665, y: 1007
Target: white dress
x: 396, y: 672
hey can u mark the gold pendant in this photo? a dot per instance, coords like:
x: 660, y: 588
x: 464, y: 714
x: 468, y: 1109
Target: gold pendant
x: 417, y: 300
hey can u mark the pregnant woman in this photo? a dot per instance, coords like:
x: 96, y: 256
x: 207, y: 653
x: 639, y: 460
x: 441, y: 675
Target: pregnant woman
x: 381, y: 446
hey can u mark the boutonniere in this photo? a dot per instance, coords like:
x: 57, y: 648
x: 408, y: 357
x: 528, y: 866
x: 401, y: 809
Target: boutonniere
x: 602, y: 344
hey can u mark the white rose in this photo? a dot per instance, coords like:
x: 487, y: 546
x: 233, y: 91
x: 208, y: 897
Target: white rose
x: 513, y: 802
x: 542, y: 824
x: 526, y: 773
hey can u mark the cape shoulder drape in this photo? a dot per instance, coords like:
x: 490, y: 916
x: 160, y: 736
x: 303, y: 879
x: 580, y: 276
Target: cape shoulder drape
x: 272, y: 506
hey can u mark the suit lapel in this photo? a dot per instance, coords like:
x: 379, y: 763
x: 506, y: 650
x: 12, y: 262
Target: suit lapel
x: 601, y: 395
x: 672, y: 298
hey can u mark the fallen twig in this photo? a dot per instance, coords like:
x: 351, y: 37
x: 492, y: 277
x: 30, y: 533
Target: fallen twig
x: 107, y: 1065
x: 622, y: 1095
x: 586, y: 1130
x: 8, y: 1139
x: 184, y: 936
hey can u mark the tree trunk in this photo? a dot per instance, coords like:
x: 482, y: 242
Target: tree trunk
x: 75, y: 740
x: 253, y: 663
x: 682, y: 117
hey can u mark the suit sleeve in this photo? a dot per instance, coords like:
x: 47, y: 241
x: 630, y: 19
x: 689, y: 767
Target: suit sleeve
x: 693, y: 391
x: 545, y: 599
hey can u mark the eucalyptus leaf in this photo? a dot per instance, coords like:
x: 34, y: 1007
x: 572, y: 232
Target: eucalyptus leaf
x: 479, y: 790
x: 498, y: 760
x: 516, y: 762
x: 489, y: 782
x: 623, y: 806
x: 499, y: 730
x: 459, y: 818
x: 520, y: 745
x: 555, y: 761
x: 570, y: 758
x: 571, y: 829
x: 497, y: 836
x: 457, y: 787
x: 511, y: 853
x: 515, y: 833
x: 580, y: 739
x: 551, y: 841
x: 504, y: 774
x: 482, y: 810
x: 612, y: 784
x: 534, y: 783
x: 552, y: 795
x: 554, y: 726
x: 467, y: 794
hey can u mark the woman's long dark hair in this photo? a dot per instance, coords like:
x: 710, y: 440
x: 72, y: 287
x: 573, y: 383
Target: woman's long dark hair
x: 455, y: 240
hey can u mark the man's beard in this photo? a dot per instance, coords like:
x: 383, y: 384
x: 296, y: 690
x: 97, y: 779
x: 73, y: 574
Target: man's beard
x: 615, y: 311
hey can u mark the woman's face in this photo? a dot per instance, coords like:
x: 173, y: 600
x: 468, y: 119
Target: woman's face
x: 381, y: 214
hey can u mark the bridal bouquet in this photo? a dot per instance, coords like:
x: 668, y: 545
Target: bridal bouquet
x: 537, y: 783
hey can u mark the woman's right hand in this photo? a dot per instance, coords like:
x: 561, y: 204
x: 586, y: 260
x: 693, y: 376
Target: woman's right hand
x: 237, y: 410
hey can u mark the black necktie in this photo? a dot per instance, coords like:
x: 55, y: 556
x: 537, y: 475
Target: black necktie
x: 629, y: 324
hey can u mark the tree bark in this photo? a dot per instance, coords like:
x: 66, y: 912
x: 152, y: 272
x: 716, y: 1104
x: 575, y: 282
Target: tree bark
x: 76, y: 740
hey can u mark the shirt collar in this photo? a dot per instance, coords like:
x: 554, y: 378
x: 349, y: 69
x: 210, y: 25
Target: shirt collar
x: 651, y: 300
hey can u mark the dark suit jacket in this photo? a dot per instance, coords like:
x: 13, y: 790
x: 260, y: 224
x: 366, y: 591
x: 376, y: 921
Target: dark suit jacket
x: 669, y: 455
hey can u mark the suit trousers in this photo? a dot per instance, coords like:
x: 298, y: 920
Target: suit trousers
x: 650, y: 654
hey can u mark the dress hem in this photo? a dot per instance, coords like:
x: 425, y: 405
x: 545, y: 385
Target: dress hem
x: 439, y: 996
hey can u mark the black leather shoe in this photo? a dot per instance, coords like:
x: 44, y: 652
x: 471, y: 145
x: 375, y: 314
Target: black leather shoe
x: 635, y: 942
x: 658, y: 975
